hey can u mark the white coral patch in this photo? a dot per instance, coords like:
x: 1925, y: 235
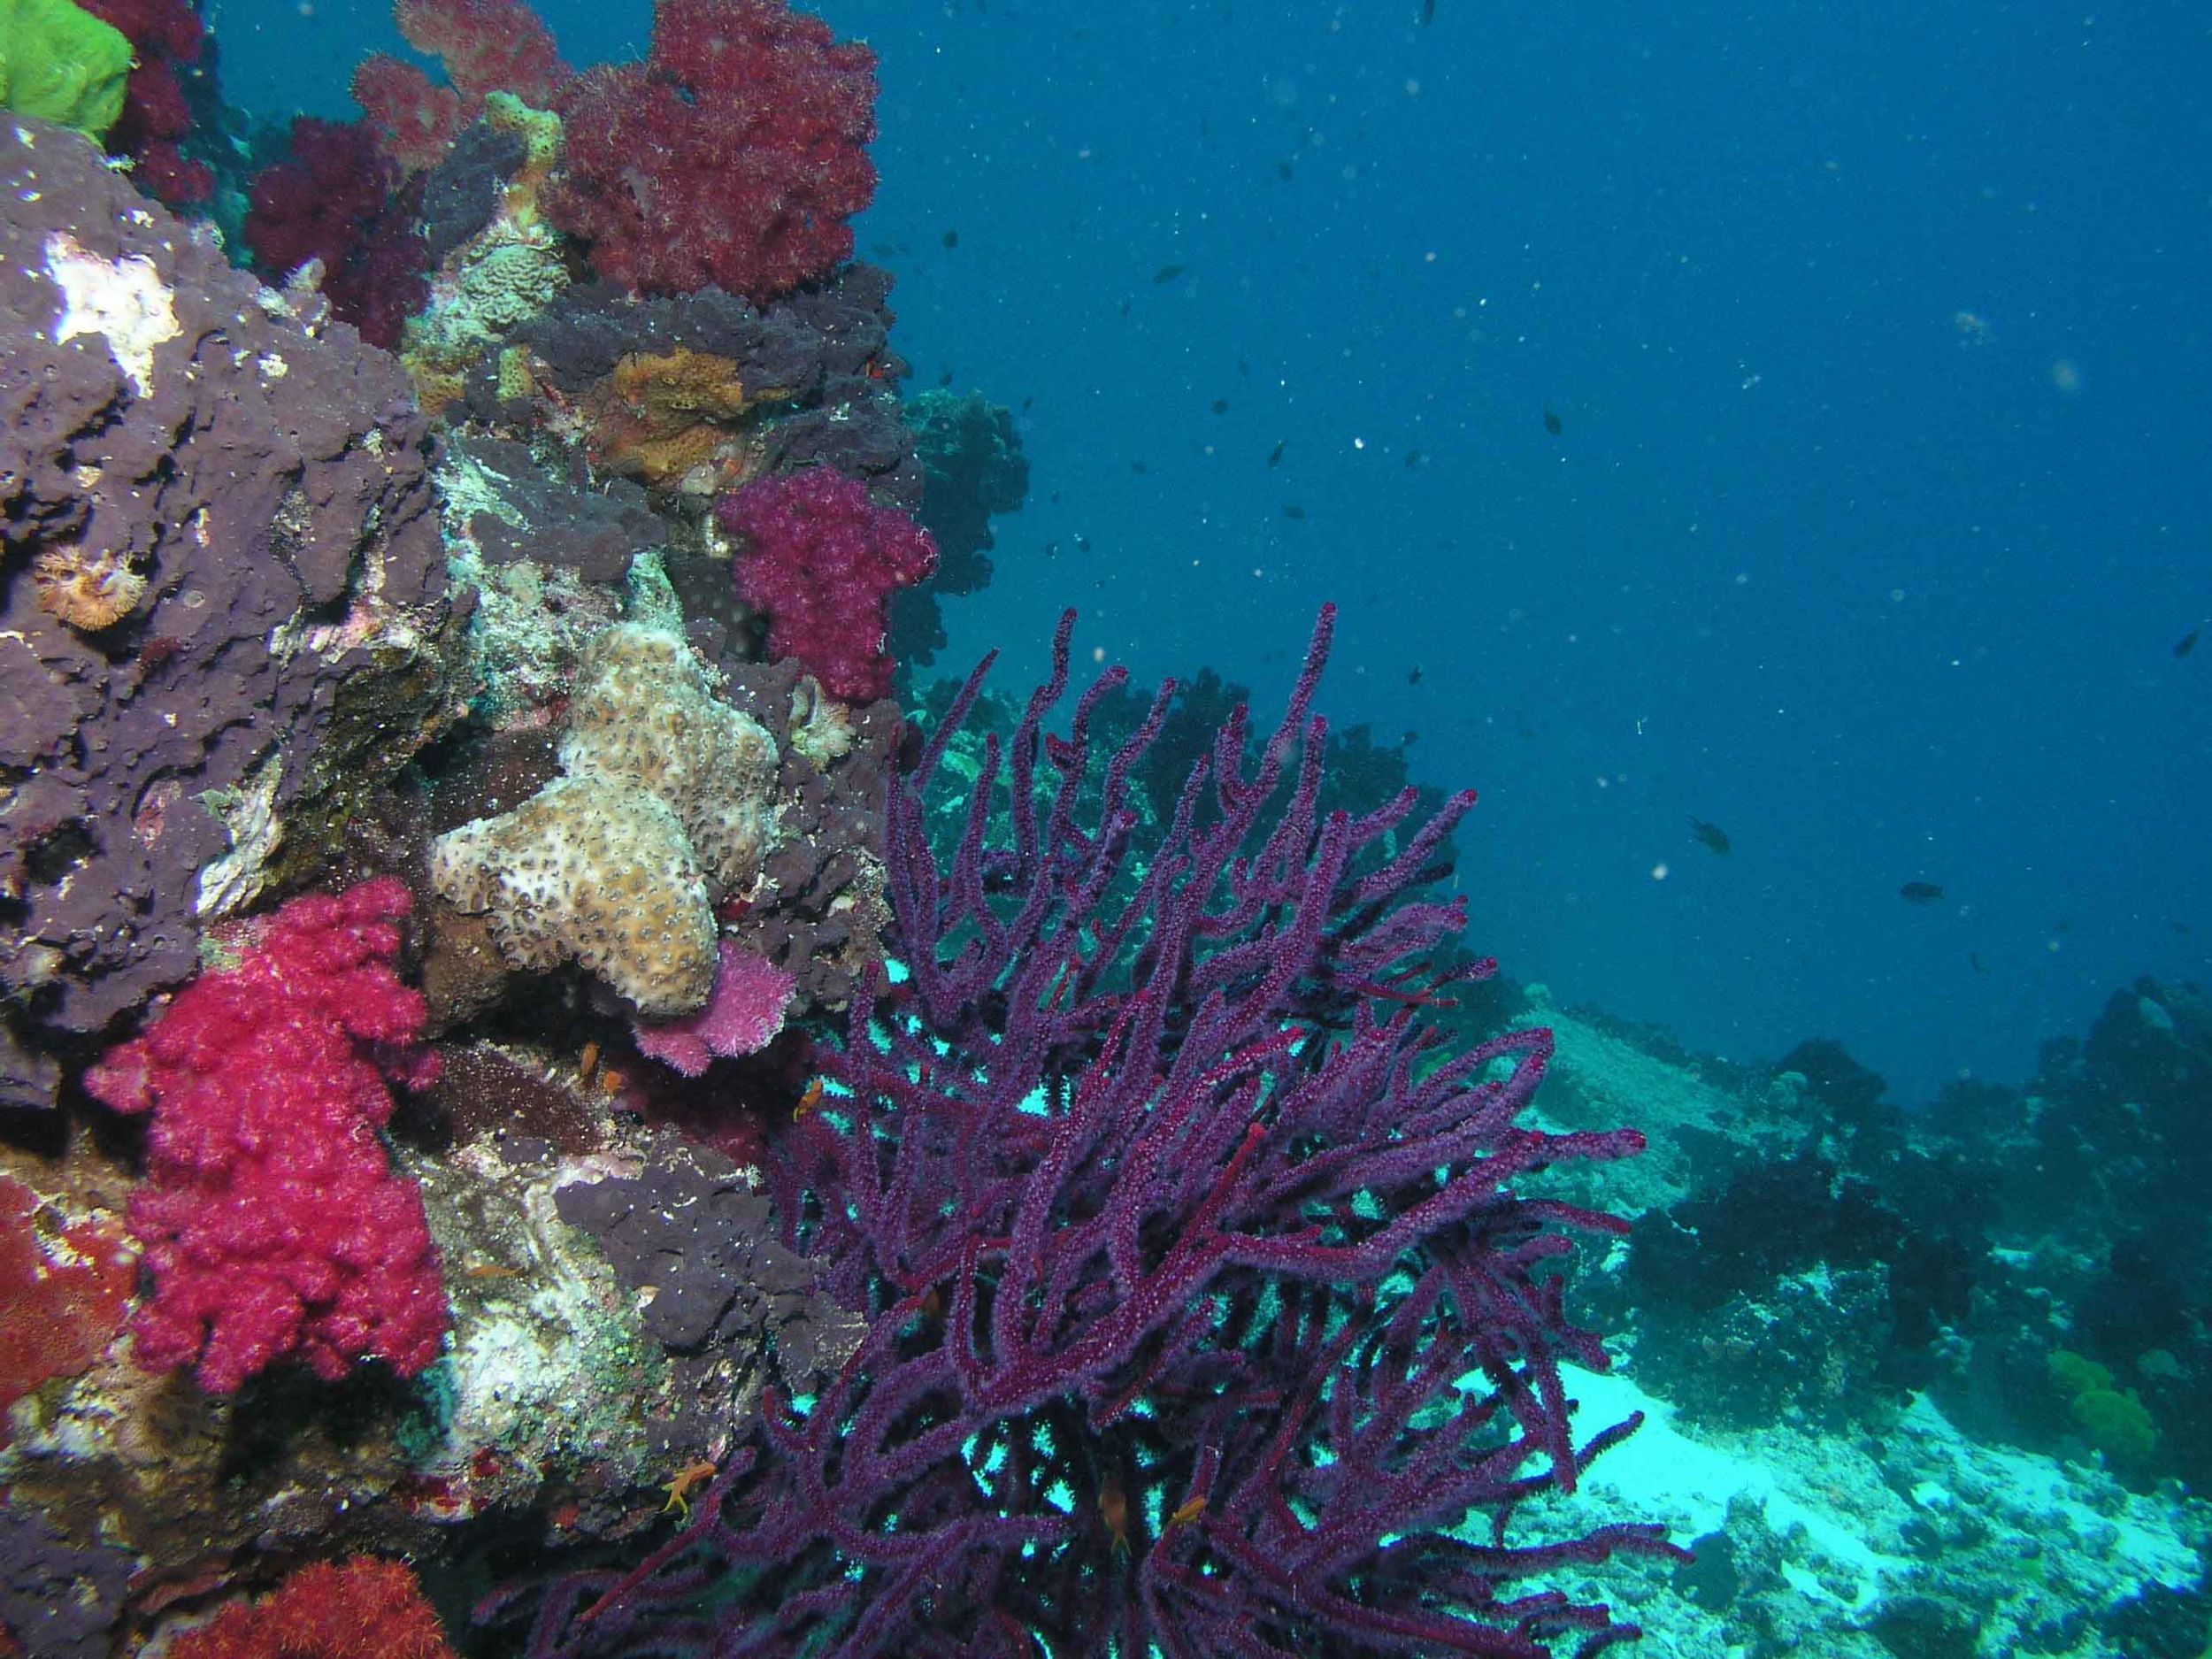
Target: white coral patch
x: 233, y: 879
x: 123, y: 301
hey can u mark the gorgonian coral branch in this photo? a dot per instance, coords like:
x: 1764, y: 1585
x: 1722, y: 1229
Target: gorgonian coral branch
x: 1204, y: 1317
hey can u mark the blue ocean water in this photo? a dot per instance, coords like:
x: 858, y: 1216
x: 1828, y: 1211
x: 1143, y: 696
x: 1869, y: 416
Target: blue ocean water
x: 1871, y: 527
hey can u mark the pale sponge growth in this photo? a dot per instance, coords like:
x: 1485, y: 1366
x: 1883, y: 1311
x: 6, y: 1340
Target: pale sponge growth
x: 666, y: 804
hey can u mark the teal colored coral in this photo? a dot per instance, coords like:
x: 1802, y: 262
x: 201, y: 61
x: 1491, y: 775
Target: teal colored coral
x: 61, y: 63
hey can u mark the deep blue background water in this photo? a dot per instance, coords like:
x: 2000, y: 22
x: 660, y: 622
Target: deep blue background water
x: 1875, y: 335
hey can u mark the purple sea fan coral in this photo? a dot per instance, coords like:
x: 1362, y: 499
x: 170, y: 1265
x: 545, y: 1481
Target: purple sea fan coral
x: 1203, y: 1316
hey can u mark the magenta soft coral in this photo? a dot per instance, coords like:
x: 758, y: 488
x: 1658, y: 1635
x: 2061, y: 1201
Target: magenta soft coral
x: 743, y: 1013
x: 734, y: 155
x: 823, y: 561
x: 271, y: 1216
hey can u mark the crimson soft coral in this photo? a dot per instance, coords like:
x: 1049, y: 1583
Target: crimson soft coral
x: 166, y: 37
x: 364, y: 1610
x: 340, y: 200
x: 486, y: 46
x: 734, y: 155
x: 823, y: 561
x: 271, y: 1215
x: 63, y: 1294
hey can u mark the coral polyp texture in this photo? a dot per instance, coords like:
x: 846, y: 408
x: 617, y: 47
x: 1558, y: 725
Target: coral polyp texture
x: 498, y: 262
x: 734, y: 155
x: 822, y: 561
x: 234, y: 599
x: 363, y: 1609
x: 1204, y: 1313
x: 665, y: 805
x: 271, y: 1219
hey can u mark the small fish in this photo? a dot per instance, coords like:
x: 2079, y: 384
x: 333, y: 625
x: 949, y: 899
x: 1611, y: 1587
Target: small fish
x: 1167, y: 273
x: 1974, y: 961
x: 1125, y: 304
x: 1052, y: 549
x: 952, y: 240
x: 1082, y: 544
x: 1220, y: 405
x: 1027, y: 402
x: 1139, y: 468
x: 1414, y: 457
x: 1294, y: 511
x: 1413, y: 675
x: 1920, y: 893
x: 1428, y: 12
x: 944, y: 380
x: 2187, y: 642
x: 1711, y: 837
x: 1551, y: 421
x: 1282, y: 171
x: 1113, y: 1508
x: 1275, y: 455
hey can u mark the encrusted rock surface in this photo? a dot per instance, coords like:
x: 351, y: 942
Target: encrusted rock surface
x: 225, y: 592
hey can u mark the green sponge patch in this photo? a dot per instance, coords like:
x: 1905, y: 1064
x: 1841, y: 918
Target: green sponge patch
x: 2114, y: 1420
x: 61, y: 63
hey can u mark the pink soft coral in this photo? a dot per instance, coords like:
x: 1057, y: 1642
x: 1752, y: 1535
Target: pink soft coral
x: 823, y: 561
x: 485, y: 46
x: 734, y: 155
x: 743, y: 1013
x: 271, y: 1215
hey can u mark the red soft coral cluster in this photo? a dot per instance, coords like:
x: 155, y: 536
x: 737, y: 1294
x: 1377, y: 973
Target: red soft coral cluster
x: 271, y: 1215
x: 63, y: 1294
x: 484, y: 45
x: 734, y: 155
x: 166, y: 37
x: 823, y: 561
x: 365, y: 1610
x: 340, y: 199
